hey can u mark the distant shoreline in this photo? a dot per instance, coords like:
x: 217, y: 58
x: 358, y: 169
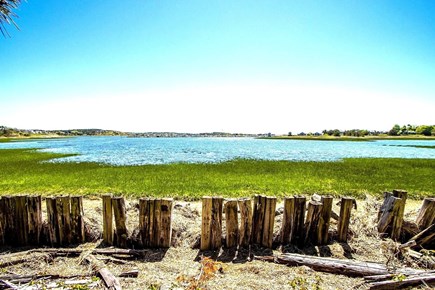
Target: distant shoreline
x: 355, y: 139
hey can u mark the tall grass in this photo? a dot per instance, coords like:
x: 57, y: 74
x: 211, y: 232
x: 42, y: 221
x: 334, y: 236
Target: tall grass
x: 25, y: 171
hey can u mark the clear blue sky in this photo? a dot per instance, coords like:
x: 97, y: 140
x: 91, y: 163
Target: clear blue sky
x: 236, y: 66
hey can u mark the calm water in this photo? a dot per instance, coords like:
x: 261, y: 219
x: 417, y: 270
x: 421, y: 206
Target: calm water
x: 135, y: 151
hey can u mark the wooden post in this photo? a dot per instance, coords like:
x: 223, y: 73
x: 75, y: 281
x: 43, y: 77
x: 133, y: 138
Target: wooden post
x: 166, y: 223
x: 387, y: 195
x: 207, y: 203
x: 53, y: 228
x: 258, y: 219
x: 232, y: 224
x: 312, y: 222
x: 268, y: 222
x: 287, y: 220
x: 34, y: 218
x: 426, y: 214
x: 325, y: 217
x: 144, y: 221
x: 344, y: 220
x: 156, y: 222
x: 297, y: 228
x: 107, y: 220
x: 2, y: 221
x: 63, y: 210
x: 121, y: 233
x: 77, y: 221
x: 216, y: 223
x: 400, y: 194
x: 21, y: 220
x: 390, y: 222
x: 245, y: 222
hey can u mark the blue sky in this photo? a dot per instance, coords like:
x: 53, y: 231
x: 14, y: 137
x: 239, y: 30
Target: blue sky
x: 202, y: 66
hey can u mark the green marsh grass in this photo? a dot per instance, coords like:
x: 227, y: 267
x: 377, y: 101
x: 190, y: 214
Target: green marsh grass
x: 26, y: 171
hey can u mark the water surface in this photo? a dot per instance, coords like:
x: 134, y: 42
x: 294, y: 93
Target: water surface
x: 137, y: 151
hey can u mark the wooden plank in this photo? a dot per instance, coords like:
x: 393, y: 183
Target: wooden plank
x: 245, y: 230
x: 107, y: 220
x: 207, y: 203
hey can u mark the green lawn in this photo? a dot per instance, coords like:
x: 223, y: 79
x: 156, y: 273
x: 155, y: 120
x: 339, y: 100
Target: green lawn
x: 24, y: 171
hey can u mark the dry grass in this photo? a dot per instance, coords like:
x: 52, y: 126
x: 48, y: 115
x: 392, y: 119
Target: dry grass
x: 181, y: 267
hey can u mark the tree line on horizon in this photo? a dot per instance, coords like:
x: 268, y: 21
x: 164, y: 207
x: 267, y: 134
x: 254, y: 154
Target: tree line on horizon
x: 396, y: 130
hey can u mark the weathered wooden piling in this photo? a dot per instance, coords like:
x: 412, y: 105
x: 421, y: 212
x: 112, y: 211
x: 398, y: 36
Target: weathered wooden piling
x: 245, y: 206
x: 325, y: 217
x: 166, y: 223
x: 343, y: 222
x: 77, y: 220
x: 121, y: 233
x: 258, y: 218
x: 391, y: 218
x: 426, y: 214
x: 231, y: 222
x: 211, y: 226
x: 263, y: 220
x: 155, y: 218
x: 287, y: 220
x: 107, y: 220
x: 297, y: 229
x: 34, y: 218
x: 63, y: 210
x: 312, y: 222
x: 53, y: 228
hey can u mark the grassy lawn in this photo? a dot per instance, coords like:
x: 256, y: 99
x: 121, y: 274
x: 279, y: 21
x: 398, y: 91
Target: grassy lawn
x: 23, y: 171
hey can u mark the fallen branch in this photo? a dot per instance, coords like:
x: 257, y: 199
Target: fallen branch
x: 78, y: 252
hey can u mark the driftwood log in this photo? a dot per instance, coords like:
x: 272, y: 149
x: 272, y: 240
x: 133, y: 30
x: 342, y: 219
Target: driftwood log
x: 109, y: 279
x: 421, y: 279
x: 350, y: 268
